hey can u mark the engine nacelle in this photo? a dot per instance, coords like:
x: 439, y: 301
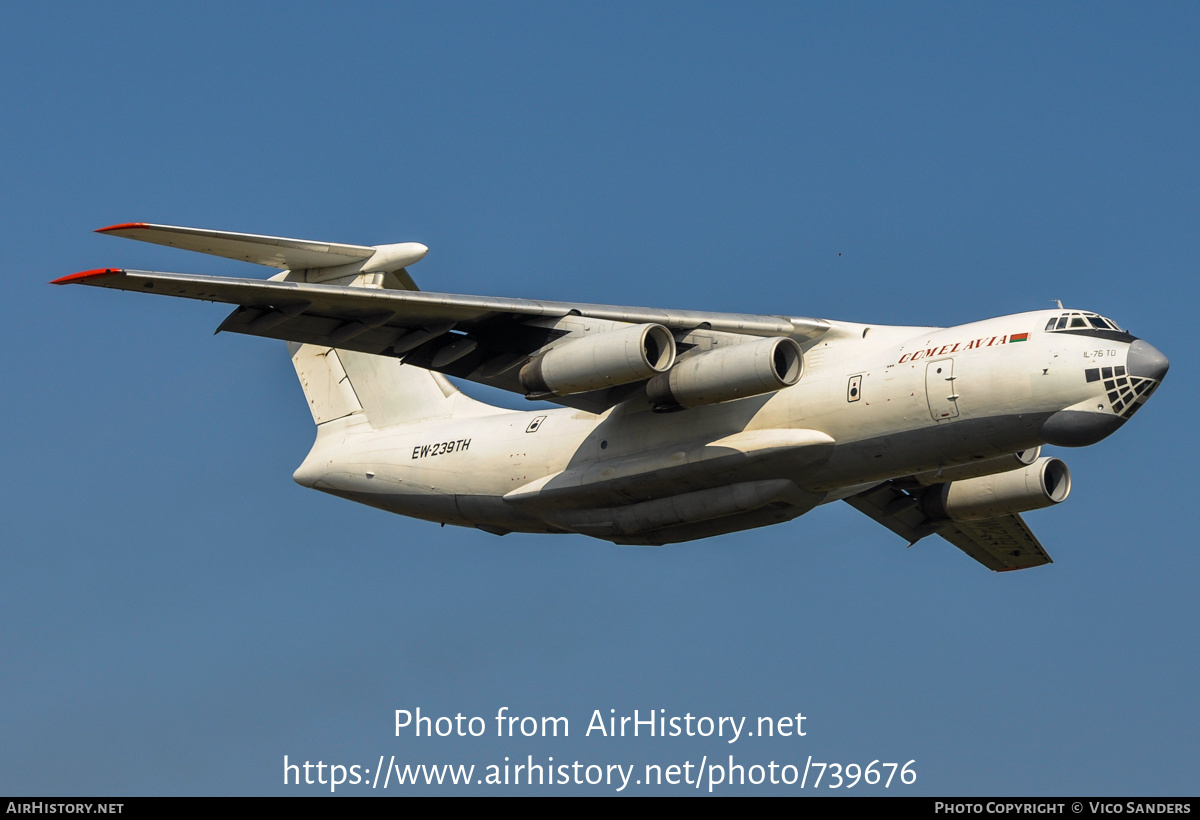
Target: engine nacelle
x: 1045, y: 482
x: 748, y: 369
x: 988, y: 466
x: 600, y: 360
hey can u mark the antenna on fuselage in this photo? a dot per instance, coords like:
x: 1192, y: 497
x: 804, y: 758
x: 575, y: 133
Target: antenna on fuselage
x: 1057, y: 302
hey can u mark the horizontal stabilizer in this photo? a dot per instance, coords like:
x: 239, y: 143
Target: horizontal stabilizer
x: 273, y: 251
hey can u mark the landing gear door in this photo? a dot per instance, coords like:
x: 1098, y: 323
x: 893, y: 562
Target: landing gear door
x: 940, y: 389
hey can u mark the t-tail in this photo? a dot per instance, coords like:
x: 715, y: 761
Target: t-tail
x: 344, y: 388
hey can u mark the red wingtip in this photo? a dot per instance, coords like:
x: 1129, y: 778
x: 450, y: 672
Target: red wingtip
x: 124, y: 226
x: 87, y: 274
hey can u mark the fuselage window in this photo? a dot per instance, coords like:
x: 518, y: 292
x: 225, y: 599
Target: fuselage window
x: 1050, y: 324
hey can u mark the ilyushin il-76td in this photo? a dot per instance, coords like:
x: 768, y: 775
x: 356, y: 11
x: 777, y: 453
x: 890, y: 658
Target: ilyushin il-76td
x: 670, y: 425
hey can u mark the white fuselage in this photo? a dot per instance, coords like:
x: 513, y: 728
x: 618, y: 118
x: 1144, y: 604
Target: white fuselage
x: 691, y: 423
x: 874, y: 403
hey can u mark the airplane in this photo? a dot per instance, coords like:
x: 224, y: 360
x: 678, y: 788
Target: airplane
x: 671, y: 425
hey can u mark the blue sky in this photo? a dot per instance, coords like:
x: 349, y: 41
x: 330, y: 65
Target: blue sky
x: 178, y: 615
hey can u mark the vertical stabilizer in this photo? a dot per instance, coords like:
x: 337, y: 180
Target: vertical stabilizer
x: 341, y: 383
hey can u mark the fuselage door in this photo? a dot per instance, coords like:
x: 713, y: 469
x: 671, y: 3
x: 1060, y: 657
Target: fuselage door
x: 940, y: 390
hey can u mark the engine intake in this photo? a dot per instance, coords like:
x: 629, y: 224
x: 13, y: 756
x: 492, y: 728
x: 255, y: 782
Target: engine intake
x: 748, y: 369
x: 601, y: 360
x: 1045, y: 482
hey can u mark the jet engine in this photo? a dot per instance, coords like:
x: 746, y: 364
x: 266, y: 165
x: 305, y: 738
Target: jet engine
x: 988, y: 466
x: 600, y: 360
x: 1047, y: 481
x: 748, y: 369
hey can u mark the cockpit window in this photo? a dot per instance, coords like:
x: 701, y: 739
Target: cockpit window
x: 1078, y: 319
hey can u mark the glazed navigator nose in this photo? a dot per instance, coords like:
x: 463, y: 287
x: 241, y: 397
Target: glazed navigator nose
x: 1145, y: 361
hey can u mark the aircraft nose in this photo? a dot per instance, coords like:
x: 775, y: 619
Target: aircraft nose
x: 1146, y: 361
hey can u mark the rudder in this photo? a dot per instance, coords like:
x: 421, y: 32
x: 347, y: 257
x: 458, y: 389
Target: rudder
x: 341, y: 383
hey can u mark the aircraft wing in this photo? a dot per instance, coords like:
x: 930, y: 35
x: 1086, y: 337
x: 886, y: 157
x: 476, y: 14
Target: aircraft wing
x: 1001, y: 544
x: 479, y: 338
